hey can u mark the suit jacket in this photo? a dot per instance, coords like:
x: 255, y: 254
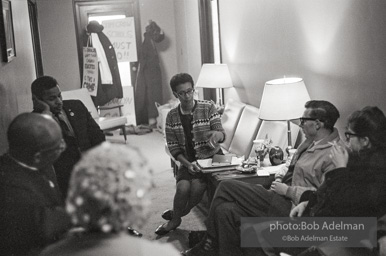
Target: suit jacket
x: 87, y: 135
x: 87, y: 131
x: 355, y: 191
x: 29, y: 201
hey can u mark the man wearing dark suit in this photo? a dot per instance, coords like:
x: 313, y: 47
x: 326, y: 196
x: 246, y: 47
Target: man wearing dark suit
x: 31, y: 210
x: 80, y: 131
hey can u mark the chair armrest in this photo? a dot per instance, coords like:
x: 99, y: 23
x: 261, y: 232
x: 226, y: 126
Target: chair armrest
x: 112, y: 107
x: 105, y: 108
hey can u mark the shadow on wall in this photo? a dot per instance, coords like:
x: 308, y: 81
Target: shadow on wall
x: 162, y: 47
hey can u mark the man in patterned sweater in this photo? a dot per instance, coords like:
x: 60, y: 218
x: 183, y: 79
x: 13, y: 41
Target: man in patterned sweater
x: 193, y: 131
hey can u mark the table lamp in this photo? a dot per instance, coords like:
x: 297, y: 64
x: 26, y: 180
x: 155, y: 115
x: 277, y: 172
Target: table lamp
x: 283, y: 100
x: 215, y: 76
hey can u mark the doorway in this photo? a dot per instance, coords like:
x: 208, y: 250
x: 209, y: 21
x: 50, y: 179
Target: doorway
x: 33, y: 16
x: 122, y: 66
x: 106, y: 11
x: 86, y: 11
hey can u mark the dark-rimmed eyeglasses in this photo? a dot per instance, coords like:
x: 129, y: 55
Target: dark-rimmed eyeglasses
x: 304, y: 119
x: 350, y: 134
x: 58, y: 148
x: 188, y: 92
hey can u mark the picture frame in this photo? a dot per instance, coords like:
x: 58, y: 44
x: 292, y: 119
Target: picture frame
x: 7, y: 38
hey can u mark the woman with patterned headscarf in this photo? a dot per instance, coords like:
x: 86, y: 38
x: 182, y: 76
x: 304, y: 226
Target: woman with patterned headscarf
x: 109, y: 192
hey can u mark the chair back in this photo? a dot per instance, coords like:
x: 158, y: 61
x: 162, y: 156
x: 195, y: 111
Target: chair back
x: 246, y: 130
x: 230, y: 119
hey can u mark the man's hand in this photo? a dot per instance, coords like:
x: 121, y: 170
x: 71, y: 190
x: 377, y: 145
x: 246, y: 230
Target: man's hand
x: 298, y: 210
x: 40, y: 106
x: 193, y: 168
x: 279, y: 188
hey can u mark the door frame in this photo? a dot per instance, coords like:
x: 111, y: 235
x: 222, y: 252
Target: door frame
x: 99, y: 7
x: 33, y: 17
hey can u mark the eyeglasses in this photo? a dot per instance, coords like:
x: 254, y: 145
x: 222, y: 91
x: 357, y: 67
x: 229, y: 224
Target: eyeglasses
x: 188, y: 92
x: 304, y: 119
x: 58, y: 148
x: 350, y: 134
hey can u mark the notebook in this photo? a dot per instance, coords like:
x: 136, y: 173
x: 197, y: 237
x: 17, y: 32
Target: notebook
x: 220, y: 160
x: 218, y: 163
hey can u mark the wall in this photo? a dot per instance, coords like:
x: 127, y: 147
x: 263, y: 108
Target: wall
x: 16, y: 76
x: 180, y: 50
x: 188, y: 34
x: 338, y: 47
x: 60, y: 52
x: 58, y: 42
x: 162, y: 12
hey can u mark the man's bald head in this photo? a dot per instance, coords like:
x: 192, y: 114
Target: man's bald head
x: 31, y: 133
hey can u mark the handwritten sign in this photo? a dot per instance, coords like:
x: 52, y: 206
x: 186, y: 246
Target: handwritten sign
x: 90, y: 70
x: 121, y: 33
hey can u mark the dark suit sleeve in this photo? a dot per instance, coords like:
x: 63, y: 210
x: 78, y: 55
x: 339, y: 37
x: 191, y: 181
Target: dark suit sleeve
x: 30, y: 226
x: 96, y: 135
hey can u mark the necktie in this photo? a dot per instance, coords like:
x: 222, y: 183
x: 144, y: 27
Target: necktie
x: 63, y: 125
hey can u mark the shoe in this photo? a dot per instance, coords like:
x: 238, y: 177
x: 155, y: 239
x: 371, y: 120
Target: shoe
x: 167, y: 215
x: 133, y: 232
x: 163, y: 230
x: 204, y: 248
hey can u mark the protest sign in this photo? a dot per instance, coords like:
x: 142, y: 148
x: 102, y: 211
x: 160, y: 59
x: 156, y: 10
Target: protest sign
x: 90, y: 70
x: 121, y: 33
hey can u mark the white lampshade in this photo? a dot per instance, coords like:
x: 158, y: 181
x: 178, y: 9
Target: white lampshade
x: 214, y: 76
x: 283, y: 99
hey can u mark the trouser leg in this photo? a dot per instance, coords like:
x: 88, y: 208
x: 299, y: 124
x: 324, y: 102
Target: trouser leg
x: 228, y: 223
x: 253, y: 200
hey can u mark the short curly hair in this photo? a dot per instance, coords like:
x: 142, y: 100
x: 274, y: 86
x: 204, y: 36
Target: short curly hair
x: 108, y: 189
x: 180, y: 79
x: 42, y: 84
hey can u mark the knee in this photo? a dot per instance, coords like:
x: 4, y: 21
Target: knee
x: 227, y: 213
x: 224, y: 209
x: 225, y: 185
x: 183, y: 187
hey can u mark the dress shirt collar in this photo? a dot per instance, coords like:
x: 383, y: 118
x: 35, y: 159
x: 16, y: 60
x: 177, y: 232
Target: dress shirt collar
x: 23, y: 164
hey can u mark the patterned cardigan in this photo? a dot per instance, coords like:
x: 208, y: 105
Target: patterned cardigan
x: 205, y: 119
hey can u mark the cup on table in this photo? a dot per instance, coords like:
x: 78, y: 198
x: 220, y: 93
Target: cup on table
x: 259, y: 149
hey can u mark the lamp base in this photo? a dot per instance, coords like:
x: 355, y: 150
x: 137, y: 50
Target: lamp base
x: 287, y: 150
x: 289, y: 147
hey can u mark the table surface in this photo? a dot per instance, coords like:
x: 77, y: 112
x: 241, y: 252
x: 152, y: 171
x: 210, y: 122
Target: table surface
x: 249, y: 177
x: 254, y: 178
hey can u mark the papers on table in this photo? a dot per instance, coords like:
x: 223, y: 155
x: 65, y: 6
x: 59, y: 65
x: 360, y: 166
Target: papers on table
x: 204, y: 163
x: 218, y: 163
x: 208, y: 166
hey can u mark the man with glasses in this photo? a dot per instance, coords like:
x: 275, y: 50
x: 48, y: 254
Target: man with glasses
x: 31, y: 212
x: 234, y: 199
x: 193, y: 131
x: 80, y: 131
